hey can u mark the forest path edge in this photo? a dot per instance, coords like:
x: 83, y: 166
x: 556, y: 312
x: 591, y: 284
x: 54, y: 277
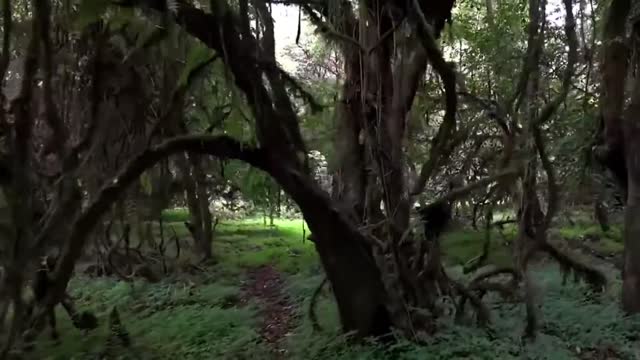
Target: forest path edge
x: 265, y: 286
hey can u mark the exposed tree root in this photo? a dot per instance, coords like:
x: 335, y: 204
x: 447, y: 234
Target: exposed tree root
x: 312, y: 306
x: 495, y: 272
x: 483, y: 314
x: 478, y: 287
x: 505, y: 290
x: 532, y: 312
x: 591, y: 276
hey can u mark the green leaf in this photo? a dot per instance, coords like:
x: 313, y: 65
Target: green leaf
x: 90, y: 11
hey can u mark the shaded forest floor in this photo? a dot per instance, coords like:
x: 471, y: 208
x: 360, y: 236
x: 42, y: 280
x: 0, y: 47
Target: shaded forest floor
x: 252, y: 304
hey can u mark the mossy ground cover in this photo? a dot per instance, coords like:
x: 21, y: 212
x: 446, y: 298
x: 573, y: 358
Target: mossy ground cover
x: 202, y: 317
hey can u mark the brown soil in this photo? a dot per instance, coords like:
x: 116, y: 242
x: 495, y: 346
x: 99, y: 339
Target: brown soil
x: 264, y: 285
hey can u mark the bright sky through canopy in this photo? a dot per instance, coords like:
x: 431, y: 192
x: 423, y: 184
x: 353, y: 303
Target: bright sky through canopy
x: 286, y: 27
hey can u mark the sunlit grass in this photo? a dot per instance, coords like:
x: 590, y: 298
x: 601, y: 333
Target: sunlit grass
x: 200, y: 317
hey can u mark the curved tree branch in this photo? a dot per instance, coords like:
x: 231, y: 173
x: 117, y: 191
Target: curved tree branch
x: 463, y: 191
x: 220, y: 146
x: 441, y: 143
x: 219, y: 30
x: 550, y: 109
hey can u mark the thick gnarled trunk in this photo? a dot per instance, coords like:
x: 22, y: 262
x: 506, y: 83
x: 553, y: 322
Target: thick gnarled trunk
x: 620, y: 141
x: 631, y: 128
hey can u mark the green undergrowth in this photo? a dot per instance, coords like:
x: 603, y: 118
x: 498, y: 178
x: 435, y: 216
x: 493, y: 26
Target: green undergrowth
x: 460, y: 246
x: 608, y: 242
x: 573, y: 323
x: 202, y: 317
x: 168, y: 320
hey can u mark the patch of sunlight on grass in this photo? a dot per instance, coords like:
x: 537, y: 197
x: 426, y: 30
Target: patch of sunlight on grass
x: 251, y: 244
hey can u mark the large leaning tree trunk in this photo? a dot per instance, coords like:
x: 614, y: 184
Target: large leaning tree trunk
x: 631, y: 141
x: 378, y: 91
x: 619, y: 147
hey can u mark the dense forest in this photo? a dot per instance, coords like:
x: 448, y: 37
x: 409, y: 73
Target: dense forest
x: 320, y: 179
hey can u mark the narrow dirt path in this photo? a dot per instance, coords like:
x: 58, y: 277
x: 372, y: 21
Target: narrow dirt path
x: 265, y: 285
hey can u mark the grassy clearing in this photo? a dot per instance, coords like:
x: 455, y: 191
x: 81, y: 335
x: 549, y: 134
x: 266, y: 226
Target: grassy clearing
x: 200, y: 318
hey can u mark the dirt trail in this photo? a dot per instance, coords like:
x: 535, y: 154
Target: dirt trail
x: 264, y: 285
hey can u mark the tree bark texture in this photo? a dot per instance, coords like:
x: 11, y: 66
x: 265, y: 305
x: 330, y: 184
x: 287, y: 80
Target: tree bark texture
x: 631, y: 128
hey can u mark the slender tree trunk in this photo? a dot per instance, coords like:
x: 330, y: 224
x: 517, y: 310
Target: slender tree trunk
x: 600, y: 212
x: 196, y: 222
x: 206, y: 219
x: 279, y: 204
